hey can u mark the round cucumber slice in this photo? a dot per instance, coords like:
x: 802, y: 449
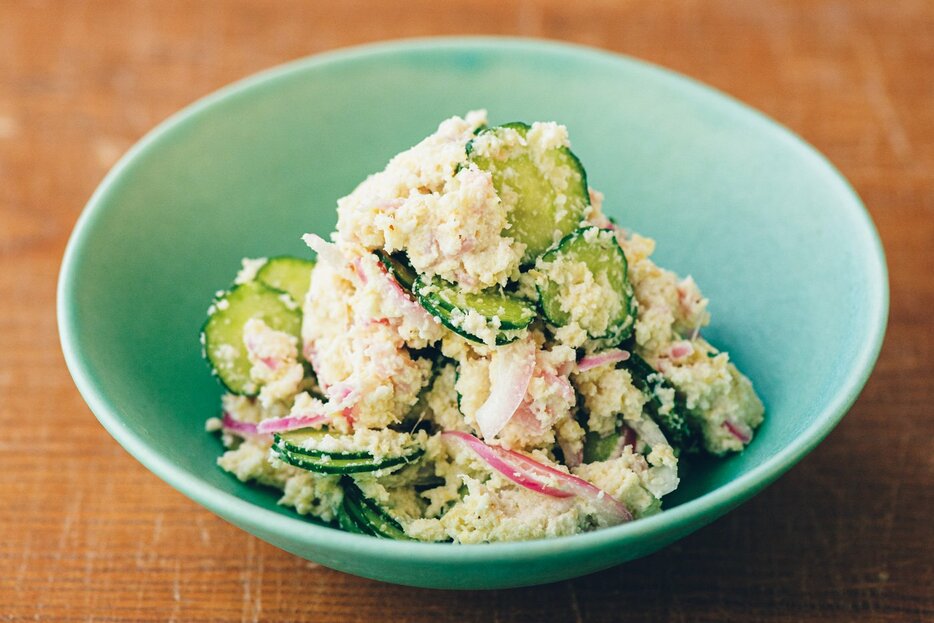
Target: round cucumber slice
x: 289, y: 274
x: 504, y: 316
x: 584, y: 280
x: 222, y: 333
x: 545, y: 188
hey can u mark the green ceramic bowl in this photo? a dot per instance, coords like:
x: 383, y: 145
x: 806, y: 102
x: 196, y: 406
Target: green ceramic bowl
x: 772, y: 233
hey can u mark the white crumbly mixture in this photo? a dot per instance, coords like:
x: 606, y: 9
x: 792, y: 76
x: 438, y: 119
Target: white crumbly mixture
x: 365, y: 340
x: 314, y: 494
x: 274, y: 357
x: 588, y: 299
x: 668, y: 308
x: 249, y: 268
x: 608, y: 395
x: 378, y: 442
x: 449, y: 222
x: 357, y: 343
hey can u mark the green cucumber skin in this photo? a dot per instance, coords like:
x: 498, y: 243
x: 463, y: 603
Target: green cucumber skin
x: 539, y: 239
x: 296, y: 449
x: 375, y: 519
x: 617, y: 331
x: 343, y: 466
x: 297, y: 290
x: 414, y: 283
x: 351, y: 518
x: 441, y: 292
x: 401, y: 270
x: 434, y: 305
x: 597, y: 448
x: 457, y: 376
x: 678, y: 425
x: 281, y: 319
x: 444, y: 318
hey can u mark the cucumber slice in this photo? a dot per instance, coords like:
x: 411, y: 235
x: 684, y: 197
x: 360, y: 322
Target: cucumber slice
x: 546, y: 189
x: 293, y: 442
x: 347, y: 518
x: 222, y: 333
x: 603, y: 258
x: 289, y: 274
x: 678, y: 426
x: 398, y: 266
x: 504, y: 316
x: 326, y: 464
x: 371, y: 517
x: 597, y: 448
x: 457, y: 394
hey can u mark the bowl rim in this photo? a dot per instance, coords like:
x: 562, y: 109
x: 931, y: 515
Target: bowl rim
x: 709, y: 505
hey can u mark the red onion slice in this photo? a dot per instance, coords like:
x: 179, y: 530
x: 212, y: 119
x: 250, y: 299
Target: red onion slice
x: 494, y: 457
x: 613, y: 355
x: 411, y: 311
x: 292, y: 422
x: 680, y: 350
x: 649, y: 431
x: 739, y: 430
x: 243, y: 429
x: 511, y: 368
x: 561, y: 384
x: 626, y: 438
x: 664, y: 478
x: 544, y: 479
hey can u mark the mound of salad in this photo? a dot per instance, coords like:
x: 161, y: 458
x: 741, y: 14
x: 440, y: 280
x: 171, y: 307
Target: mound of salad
x: 477, y: 354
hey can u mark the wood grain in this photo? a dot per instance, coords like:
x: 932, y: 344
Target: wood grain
x: 86, y: 533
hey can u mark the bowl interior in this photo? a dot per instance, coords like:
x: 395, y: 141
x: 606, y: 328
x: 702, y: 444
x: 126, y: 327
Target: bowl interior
x: 773, y: 235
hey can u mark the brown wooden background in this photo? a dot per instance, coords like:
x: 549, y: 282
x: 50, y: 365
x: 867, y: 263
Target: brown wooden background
x: 86, y: 533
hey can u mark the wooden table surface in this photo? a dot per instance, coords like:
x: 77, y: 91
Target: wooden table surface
x: 86, y: 533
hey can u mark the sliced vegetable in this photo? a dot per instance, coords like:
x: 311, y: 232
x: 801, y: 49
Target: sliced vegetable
x: 222, y: 333
x: 679, y: 428
x: 327, y: 464
x: 396, y: 286
x: 739, y: 430
x: 564, y: 283
x: 599, y: 448
x: 488, y: 317
x: 607, y: 357
x: 302, y: 449
x: 292, y: 422
x: 545, y: 188
x: 296, y: 442
x: 459, y: 398
x: 398, y: 266
x: 347, y: 518
x: 243, y: 429
x: 511, y: 369
x: 544, y: 479
x: 497, y: 458
x: 289, y: 274
x: 665, y: 478
x: 370, y: 516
